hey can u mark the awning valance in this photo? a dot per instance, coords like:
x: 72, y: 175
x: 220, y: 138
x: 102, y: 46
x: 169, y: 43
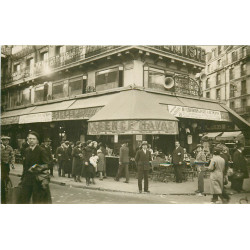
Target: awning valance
x: 230, y: 136
x: 133, y: 112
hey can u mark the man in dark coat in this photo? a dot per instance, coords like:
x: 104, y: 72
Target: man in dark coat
x: 48, y: 149
x: 88, y: 168
x: 77, y: 162
x: 7, y: 158
x: 123, y: 162
x: 59, y: 157
x: 239, y: 164
x: 35, y: 177
x: 178, y: 157
x: 66, y: 159
x: 143, y: 159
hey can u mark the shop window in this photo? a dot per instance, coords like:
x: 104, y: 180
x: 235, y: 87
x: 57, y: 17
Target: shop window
x: 107, y: 79
x: 156, y: 78
x: 243, y: 87
x: 243, y: 69
x: 75, y: 86
x: 26, y: 96
x: 60, y: 89
x: 207, y: 94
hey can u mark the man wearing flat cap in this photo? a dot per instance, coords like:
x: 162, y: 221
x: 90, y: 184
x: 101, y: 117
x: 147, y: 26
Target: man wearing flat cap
x: 48, y: 149
x: 7, y: 158
x: 143, y: 159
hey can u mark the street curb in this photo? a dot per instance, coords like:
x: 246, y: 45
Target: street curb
x: 114, y: 190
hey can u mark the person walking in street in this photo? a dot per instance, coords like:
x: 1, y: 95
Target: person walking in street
x: 217, y: 167
x: 101, y: 163
x: 59, y: 157
x: 143, y: 159
x: 178, y: 157
x: 123, y: 163
x: 77, y: 162
x: 35, y: 178
x: 239, y: 166
x: 200, y: 161
x: 7, y: 158
x: 48, y: 149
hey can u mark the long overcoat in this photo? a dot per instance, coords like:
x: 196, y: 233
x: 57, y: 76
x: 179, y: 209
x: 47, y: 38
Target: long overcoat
x: 77, y: 161
x: 217, y: 166
x: 101, y: 162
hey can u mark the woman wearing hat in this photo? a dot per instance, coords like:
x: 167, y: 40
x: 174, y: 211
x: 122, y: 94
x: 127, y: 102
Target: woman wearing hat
x: 217, y: 166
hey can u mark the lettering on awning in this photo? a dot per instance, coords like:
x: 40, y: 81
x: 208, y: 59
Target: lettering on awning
x: 74, y: 114
x: 133, y: 127
x: 34, y: 118
x: 10, y: 120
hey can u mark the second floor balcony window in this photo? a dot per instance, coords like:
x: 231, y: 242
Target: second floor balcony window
x: 156, y: 78
x: 26, y: 96
x: 218, y: 94
x: 232, y: 105
x: 218, y: 79
x: 60, y: 89
x: 30, y: 66
x: 232, y: 90
x: 243, y: 87
x: 231, y: 73
x: 76, y: 86
x: 40, y: 94
x: 234, y: 56
x: 207, y: 83
x: 207, y: 94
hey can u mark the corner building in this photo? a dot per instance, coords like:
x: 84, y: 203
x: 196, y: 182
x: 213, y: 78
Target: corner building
x: 112, y: 94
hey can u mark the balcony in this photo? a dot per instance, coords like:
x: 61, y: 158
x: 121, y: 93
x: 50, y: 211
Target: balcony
x: 242, y: 110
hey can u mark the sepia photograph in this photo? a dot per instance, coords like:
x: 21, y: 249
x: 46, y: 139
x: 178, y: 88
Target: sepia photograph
x: 125, y: 124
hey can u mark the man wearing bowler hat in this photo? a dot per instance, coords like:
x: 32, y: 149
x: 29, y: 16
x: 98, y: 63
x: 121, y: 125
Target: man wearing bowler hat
x: 143, y: 159
x: 7, y: 158
x: 48, y: 149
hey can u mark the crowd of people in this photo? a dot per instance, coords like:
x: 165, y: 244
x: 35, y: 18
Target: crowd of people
x: 88, y: 160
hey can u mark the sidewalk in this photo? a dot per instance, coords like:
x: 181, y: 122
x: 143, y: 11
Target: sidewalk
x: 156, y: 188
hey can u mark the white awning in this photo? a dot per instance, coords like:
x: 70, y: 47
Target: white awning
x: 212, y: 135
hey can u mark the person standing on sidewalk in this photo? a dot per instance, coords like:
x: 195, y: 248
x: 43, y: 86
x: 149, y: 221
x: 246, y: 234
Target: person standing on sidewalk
x: 239, y: 165
x: 7, y: 158
x: 123, y: 163
x: 35, y: 178
x: 143, y: 159
x: 77, y: 162
x: 178, y: 157
x: 217, y: 167
x: 48, y: 150
x: 101, y: 163
x: 88, y: 168
x: 59, y: 157
x: 200, y: 161
x: 66, y: 157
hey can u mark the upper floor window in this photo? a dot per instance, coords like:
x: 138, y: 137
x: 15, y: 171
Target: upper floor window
x: 108, y: 79
x: 60, y: 89
x: 244, y: 51
x: 218, y: 94
x: 207, y: 83
x: 60, y: 50
x: 45, y: 56
x: 243, y: 87
x: 232, y: 105
x: 243, y: 103
x: 207, y: 94
x: 208, y: 68
x: 218, y: 79
x: 243, y: 69
x: 40, y: 94
x: 13, y: 98
x: 232, y: 90
x: 231, y: 73
x: 76, y: 86
x: 219, y: 49
x: 219, y: 63
x: 156, y: 78
x: 17, y: 68
x: 234, y: 56
x: 26, y: 96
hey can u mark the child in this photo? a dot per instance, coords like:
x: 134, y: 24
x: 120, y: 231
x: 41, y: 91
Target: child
x: 100, y: 163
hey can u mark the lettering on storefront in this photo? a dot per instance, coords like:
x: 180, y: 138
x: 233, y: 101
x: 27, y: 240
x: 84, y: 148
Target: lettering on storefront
x: 34, y: 118
x: 196, y: 113
x: 133, y: 127
x: 10, y: 120
x: 74, y: 114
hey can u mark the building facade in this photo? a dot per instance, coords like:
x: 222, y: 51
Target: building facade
x: 228, y: 77
x: 75, y: 92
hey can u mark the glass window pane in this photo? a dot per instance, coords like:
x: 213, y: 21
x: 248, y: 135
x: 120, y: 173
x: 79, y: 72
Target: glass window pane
x: 13, y: 98
x: 156, y: 79
x: 60, y: 90
x: 26, y: 96
x: 39, y: 94
x: 75, y: 86
x: 107, y: 79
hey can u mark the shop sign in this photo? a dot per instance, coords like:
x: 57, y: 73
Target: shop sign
x: 194, y: 113
x: 10, y: 120
x: 34, y: 118
x: 133, y: 127
x: 220, y: 127
x: 74, y: 114
x: 138, y: 137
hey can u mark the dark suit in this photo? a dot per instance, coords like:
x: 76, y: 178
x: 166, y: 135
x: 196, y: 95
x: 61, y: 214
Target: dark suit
x: 178, y: 157
x: 239, y: 164
x: 124, y: 163
x: 31, y: 187
x: 143, y: 165
x: 48, y: 150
